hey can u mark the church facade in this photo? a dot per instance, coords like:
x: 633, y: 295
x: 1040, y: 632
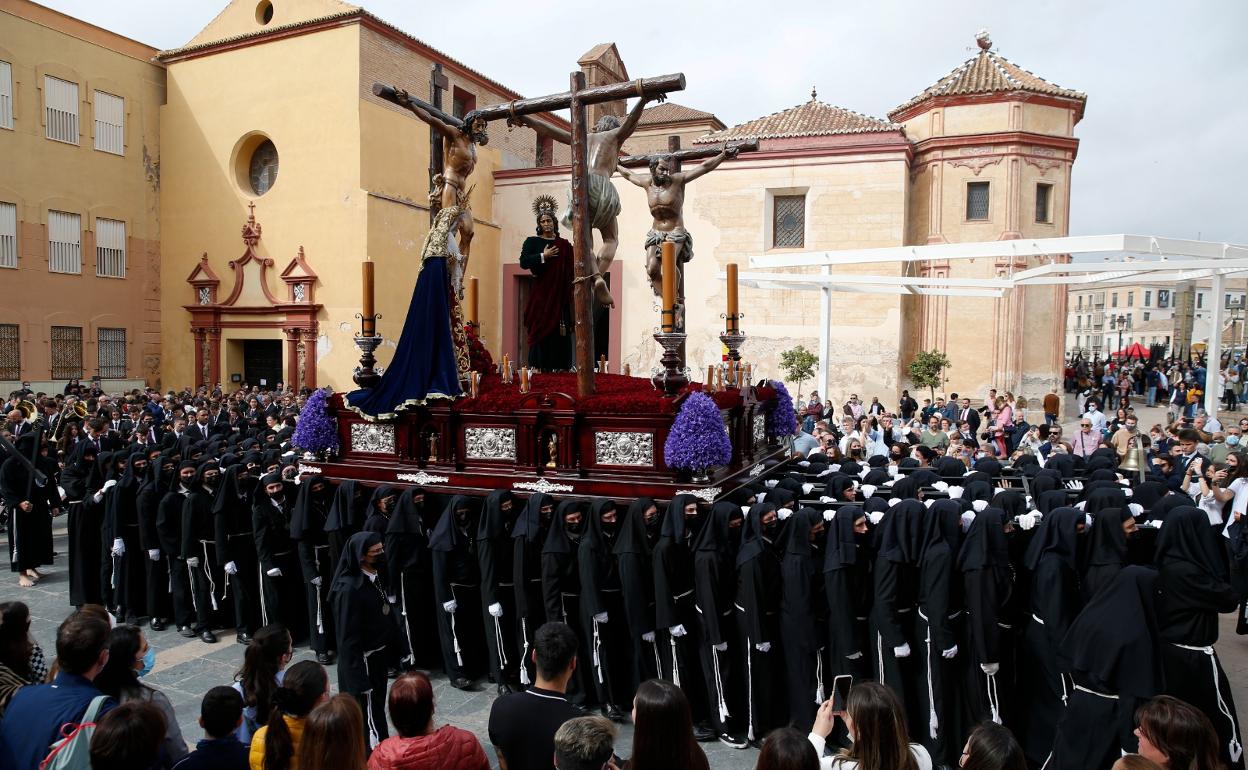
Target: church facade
x: 280, y: 172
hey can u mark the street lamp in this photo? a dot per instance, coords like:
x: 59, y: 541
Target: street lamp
x: 1122, y: 324
x: 1237, y: 310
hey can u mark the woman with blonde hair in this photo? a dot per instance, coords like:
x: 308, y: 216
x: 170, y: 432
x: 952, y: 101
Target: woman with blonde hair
x: 333, y: 736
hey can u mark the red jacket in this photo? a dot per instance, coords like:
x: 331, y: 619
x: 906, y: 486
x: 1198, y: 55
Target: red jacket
x: 448, y: 748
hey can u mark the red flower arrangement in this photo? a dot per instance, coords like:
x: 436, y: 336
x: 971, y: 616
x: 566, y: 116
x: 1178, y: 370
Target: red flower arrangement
x: 479, y: 358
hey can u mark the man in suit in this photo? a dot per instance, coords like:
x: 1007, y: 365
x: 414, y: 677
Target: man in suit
x: 1185, y: 469
x: 200, y: 430
x: 969, y: 415
x: 16, y: 423
x: 119, y: 425
x: 174, y: 437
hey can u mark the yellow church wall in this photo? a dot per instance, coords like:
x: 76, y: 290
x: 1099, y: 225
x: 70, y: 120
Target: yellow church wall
x: 852, y: 202
x: 302, y: 93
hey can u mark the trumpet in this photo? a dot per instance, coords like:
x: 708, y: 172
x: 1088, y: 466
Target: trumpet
x: 78, y: 408
x: 27, y: 408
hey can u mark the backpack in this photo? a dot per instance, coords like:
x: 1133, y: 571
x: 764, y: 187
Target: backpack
x: 73, y: 751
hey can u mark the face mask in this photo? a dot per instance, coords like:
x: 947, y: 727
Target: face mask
x: 1232, y: 440
x: 149, y: 661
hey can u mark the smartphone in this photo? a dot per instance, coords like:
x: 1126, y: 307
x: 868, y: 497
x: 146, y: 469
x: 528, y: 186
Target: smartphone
x: 840, y: 691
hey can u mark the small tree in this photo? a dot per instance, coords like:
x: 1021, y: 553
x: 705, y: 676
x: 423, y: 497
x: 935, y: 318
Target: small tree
x: 927, y: 369
x: 799, y: 365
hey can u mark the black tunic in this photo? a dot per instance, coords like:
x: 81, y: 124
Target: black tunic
x: 364, y: 631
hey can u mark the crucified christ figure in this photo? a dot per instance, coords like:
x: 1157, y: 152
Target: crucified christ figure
x: 603, y: 153
x: 665, y: 194
x: 459, y: 141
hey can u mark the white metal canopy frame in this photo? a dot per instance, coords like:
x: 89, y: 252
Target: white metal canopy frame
x: 1126, y: 259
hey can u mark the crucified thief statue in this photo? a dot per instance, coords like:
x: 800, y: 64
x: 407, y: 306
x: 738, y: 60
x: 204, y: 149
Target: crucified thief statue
x: 665, y: 194
x: 603, y: 151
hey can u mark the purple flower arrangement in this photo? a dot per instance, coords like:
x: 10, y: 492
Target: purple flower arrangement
x: 781, y: 419
x: 698, y: 440
x: 316, y: 430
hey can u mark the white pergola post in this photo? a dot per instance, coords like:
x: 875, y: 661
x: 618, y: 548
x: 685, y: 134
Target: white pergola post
x: 1213, y: 353
x: 825, y: 336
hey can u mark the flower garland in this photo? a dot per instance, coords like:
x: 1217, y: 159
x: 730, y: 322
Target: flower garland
x: 697, y: 440
x: 316, y: 430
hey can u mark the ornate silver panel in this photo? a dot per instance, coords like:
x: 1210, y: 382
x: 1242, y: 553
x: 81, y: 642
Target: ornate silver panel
x: 760, y: 430
x: 490, y: 443
x: 541, y: 485
x: 623, y: 448
x: 205, y: 295
x: 299, y: 292
x: 422, y: 478
x: 709, y: 494
x: 372, y: 438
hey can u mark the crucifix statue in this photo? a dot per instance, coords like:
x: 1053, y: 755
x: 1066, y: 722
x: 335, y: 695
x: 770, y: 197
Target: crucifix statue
x: 665, y: 196
x: 603, y: 150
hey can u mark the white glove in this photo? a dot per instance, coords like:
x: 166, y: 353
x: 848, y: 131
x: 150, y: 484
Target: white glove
x: 862, y: 474
x: 721, y: 647
x: 450, y: 606
x: 829, y: 514
x: 806, y: 488
x: 231, y: 568
x: 834, y: 467
x: 316, y: 581
x: 758, y: 498
x: 153, y: 554
x: 1126, y: 492
x: 950, y: 653
x: 648, y: 637
x: 1028, y: 520
x: 955, y: 492
x: 771, y: 483
x: 192, y: 562
x: 854, y: 655
x: 875, y: 517
x: 903, y: 651
x: 941, y: 485
x: 804, y: 463
x: 496, y: 609
x: 893, y: 501
x: 601, y: 617
x: 784, y: 513
x: 893, y: 471
x: 967, y: 519
x: 1136, y: 509
x: 98, y: 497
x: 108, y: 485
x: 826, y: 499
x: 928, y: 502
x: 677, y: 630
x: 391, y: 599
x: 826, y: 472
x: 61, y: 491
x: 275, y: 572
x: 990, y: 669
x: 119, y: 547
x: 867, y: 490
x: 979, y: 505
x: 763, y: 646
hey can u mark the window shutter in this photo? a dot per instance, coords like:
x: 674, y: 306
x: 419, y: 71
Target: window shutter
x: 110, y: 248
x: 64, y: 242
x: 110, y: 123
x: 60, y: 98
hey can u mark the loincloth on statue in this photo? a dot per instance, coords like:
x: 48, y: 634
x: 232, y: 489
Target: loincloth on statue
x: 680, y: 237
x: 440, y: 182
x: 604, y: 203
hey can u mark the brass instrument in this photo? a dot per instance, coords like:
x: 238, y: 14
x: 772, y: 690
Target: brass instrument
x: 79, y: 409
x: 27, y: 408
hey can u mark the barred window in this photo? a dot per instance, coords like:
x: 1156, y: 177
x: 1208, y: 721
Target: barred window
x: 60, y: 102
x: 8, y: 235
x: 977, y: 200
x: 110, y: 248
x: 110, y: 123
x: 111, y: 344
x: 788, y: 223
x: 10, y: 352
x: 66, y: 352
x: 64, y: 242
x: 6, y: 95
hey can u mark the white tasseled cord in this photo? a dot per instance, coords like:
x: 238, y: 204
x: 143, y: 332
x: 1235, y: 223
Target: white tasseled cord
x: 719, y: 686
x: 524, y: 659
x: 212, y: 586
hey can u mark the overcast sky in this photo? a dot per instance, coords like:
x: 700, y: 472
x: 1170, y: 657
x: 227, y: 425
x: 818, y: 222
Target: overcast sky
x: 1162, y: 149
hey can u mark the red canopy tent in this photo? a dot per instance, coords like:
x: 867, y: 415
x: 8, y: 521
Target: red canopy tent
x: 1134, y: 350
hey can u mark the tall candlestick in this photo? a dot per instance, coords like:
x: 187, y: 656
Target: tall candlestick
x: 368, y: 324
x: 732, y: 297
x: 668, y: 319
x: 470, y: 299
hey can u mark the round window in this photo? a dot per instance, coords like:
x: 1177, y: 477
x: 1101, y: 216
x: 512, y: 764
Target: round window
x: 262, y: 171
x: 264, y: 12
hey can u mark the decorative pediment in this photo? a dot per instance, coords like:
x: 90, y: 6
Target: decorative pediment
x: 300, y: 280
x: 204, y: 282
x: 251, y: 270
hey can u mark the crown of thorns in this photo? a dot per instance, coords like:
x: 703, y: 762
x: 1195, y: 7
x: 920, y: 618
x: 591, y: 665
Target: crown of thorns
x: 544, y: 204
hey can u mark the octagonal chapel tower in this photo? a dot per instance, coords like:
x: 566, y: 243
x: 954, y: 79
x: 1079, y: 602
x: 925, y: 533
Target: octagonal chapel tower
x: 994, y: 146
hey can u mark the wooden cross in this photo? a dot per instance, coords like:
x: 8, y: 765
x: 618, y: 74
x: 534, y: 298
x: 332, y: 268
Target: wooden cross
x: 575, y: 99
x: 438, y: 82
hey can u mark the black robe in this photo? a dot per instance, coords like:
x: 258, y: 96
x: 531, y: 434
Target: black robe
x: 494, y: 557
x: 316, y: 560
x: 758, y: 624
x: 638, y: 581
x: 675, y: 606
x: 121, y: 520
x: 409, y: 576
x: 561, y: 590
x: 1055, y: 602
x: 457, y: 583
x: 802, y: 617
x: 1194, y: 590
x: 364, y: 631
x: 527, y: 537
x: 281, y: 596
x: 939, y: 622
x: 602, y: 608
x: 346, y: 515
x: 847, y: 591
x: 714, y: 585
x: 199, y: 544
x: 1107, y: 550
x: 169, y: 529
x: 236, y: 544
x: 1112, y: 653
x: 155, y: 561
x: 30, y: 532
x: 84, y: 476
x: 898, y: 538
x: 988, y: 586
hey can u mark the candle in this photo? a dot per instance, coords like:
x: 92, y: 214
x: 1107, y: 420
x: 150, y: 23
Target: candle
x: 710, y: 377
x: 668, y: 318
x: 368, y: 325
x: 524, y: 379
x: 749, y: 373
x: 719, y: 378
x: 732, y: 298
x: 628, y: 370
x: 470, y: 298
x: 602, y: 364
x: 474, y: 380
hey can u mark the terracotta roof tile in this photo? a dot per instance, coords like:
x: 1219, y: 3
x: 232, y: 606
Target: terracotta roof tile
x: 670, y: 112
x: 988, y: 72
x: 814, y: 118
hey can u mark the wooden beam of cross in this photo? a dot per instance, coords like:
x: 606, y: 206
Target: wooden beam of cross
x: 710, y: 151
